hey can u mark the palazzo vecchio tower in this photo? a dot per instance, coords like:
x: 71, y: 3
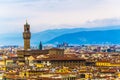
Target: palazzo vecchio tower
x: 26, y: 36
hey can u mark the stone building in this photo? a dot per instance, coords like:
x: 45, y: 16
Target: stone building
x: 26, y: 36
x: 56, y: 57
x: 24, y: 54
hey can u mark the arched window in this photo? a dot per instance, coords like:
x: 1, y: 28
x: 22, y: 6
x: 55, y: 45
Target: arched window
x: 26, y: 29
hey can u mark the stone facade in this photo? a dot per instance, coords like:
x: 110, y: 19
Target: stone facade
x: 26, y: 36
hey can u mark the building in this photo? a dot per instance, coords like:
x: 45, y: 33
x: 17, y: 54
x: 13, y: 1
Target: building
x: 26, y: 36
x: 56, y: 57
x: 24, y: 54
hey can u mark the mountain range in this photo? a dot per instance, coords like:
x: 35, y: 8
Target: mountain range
x: 89, y: 37
x: 98, y: 35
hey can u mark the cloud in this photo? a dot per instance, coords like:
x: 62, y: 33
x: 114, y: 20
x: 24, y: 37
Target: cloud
x: 102, y: 23
x: 49, y: 14
x: 17, y: 1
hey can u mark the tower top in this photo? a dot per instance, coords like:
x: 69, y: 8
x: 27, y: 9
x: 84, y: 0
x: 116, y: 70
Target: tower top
x: 26, y: 22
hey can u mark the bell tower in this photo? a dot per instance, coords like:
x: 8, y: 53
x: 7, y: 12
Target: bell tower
x: 26, y: 36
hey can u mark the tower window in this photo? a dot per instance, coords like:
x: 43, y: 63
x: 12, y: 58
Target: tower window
x: 27, y: 29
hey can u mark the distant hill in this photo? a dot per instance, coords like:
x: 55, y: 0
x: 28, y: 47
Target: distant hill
x: 44, y: 36
x: 11, y: 39
x: 47, y: 35
x: 89, y: 37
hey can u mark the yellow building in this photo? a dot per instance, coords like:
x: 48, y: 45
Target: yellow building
x: 103, y: 63
x: 107, y: 64
x: 118, y: 75
x: 115, y: 64
x: 4, y: 63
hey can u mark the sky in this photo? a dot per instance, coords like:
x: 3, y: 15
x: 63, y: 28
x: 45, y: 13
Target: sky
x: 56, y: 14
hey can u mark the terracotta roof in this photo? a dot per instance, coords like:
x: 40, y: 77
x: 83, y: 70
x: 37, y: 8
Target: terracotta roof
x: 61, y: 57
x: 54, y: 48
x: 12, y: 55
